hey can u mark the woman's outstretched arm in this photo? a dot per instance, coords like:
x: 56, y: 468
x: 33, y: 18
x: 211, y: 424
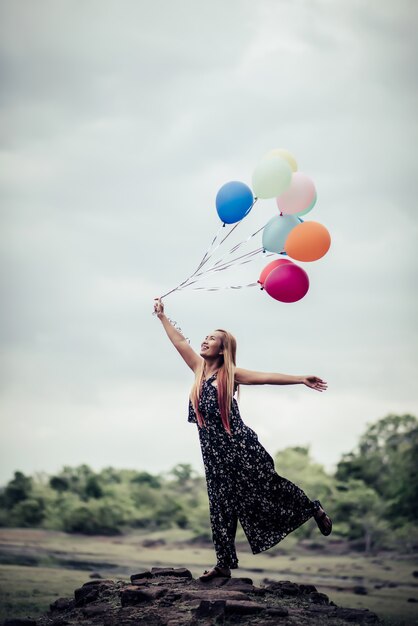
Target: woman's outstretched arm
x: 249, y: 377
x: 181, y: 344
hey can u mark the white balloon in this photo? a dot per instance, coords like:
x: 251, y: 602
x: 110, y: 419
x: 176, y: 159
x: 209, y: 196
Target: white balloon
x: 271, y: 177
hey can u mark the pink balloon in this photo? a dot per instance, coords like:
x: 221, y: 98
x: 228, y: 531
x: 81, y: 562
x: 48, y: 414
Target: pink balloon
x: 266, y: 271
x: 287, y: 283
x: 299, y: 196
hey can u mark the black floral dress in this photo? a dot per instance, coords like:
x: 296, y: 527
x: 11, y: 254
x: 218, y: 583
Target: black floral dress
x: 243, y: 485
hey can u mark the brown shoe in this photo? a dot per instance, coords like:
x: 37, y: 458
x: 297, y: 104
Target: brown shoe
x: 215, y: 572
x: 323, y: 520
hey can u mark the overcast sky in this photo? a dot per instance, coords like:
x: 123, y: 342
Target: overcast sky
x: 120, y: 120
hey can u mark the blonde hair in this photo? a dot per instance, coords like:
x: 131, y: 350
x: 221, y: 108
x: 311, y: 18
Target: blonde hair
x: 226, y: 381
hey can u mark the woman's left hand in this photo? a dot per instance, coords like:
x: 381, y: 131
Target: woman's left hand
x: 315, y: 383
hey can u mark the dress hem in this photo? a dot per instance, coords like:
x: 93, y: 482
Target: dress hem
x: 280, y: 537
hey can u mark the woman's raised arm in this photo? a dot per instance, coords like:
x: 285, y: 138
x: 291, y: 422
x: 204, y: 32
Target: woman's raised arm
x: 181, y: 344
x: 249, y: 377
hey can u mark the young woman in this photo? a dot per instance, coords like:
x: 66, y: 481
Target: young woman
x: 241, y: 479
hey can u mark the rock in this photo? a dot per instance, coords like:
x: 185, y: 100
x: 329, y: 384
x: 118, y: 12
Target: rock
x: 318, y: 598
x: 207, y: 608
x: 84, y: 595
x: 95, y: 575
x: 284, y: 588
x: 96, y: 609
x: 242, y: 607
x: 246, y: 581
x: 277, y: 611
x: 141, y: 576
x: 213, y: 594
x: 62, y: 604
x: 163, y: 596
x: 360, y: 591
x: 214, y: 583
x: 412, y: 600
x: 325, y: 609
x: 415, y: 573
x: 90, y: 591
x: 359, y: 616
x: 19, y: 621
x: 182, y: 572
x: 170, y: 598
x: 104, y: 581
x: 237, y: 585
x: 132, y: 594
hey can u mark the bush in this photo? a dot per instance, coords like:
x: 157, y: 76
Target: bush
x: 94, y: 519
x: 28, y: 513
x: 17, y: 490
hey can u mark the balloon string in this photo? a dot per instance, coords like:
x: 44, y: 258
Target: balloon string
x: 201, y: 264
x: 230, y: 233
x: 227, y: 287
x: 228, y: 263
x: 205, y: 256
x: 238, y: 245
x: 222, y: 267
x: 209, y: 253
x: 236, y: 261
x: 252, y: 254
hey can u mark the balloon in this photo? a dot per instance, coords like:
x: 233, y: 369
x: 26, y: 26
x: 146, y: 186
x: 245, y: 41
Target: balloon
x: 277, y: 230
x: 266, y: 271
x: 310, y: 207
x: 287, y: 283
x: 308, y: 241
x: 284, y: 154
x: 233, y: 202
x: 271, y: 177
x: 299, y: 196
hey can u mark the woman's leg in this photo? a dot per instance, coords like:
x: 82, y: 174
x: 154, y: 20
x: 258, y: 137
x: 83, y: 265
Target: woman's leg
x: 224, y: 520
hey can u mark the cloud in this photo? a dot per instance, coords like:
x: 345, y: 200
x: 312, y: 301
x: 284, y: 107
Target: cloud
x: 120, y: 122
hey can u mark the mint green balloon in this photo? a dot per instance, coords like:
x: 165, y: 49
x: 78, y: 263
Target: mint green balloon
x: 310, y: 207
x: 276, y: 231
x: 271, y: 177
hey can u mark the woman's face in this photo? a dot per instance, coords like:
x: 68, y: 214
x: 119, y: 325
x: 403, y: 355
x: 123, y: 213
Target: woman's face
x: 211, y: 345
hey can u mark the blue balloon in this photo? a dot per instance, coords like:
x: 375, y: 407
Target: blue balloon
x: 233, y: 202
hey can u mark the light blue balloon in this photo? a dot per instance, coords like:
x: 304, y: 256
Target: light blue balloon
x: 277, y: 230
x: 234, y: 201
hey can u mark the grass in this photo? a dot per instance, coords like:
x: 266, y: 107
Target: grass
x: 62, y: 562
x: 28, y: 591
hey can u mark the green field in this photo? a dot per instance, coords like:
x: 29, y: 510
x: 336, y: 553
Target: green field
x: 38, y: 566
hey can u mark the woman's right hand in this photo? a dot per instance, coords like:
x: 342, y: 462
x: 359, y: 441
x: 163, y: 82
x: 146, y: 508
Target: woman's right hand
x: 158, y: 307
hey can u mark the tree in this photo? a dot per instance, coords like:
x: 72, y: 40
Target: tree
x: 17, y: 490
x: 145, y: 478
x: 28, y: 513
x: 80, y: 480
x: 183, y: 474
x: 358, y: 511
x: 385, y: 460
x: 296, y: 465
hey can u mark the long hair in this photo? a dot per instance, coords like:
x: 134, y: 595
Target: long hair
x: 226, y: 386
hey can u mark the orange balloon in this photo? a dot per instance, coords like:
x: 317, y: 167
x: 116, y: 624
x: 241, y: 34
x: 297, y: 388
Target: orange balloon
x: 308, y: 241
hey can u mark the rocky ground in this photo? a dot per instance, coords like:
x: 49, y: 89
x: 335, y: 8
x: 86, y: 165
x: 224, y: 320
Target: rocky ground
x: 166, y: 596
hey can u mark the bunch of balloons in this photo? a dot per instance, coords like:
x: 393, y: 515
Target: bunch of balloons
x: 286, y: 234
x: 277, y: 176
